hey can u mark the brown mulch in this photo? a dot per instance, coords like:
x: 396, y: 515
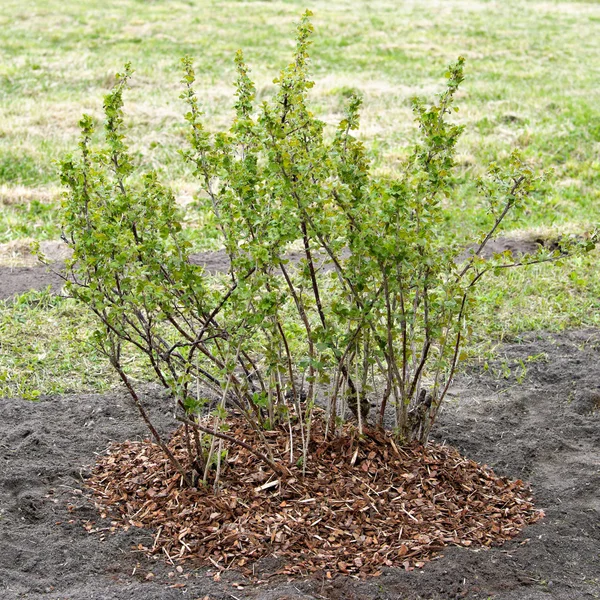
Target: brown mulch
x: 364, y: 503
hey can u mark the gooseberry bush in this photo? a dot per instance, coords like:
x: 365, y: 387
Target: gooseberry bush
x: 343, y: 295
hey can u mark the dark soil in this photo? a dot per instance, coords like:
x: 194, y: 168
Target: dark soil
x: 17, y: 280
x: 534, y: 414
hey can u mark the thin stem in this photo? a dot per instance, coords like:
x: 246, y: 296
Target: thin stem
x: 277, y: 469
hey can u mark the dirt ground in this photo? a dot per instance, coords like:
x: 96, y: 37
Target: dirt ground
x: 533, y: 414
x: 25, y: 273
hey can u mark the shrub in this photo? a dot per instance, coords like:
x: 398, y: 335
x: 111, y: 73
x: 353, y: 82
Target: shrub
x: 342, y: 289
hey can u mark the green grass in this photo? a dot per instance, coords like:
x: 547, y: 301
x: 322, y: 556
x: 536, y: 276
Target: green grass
x: 29, y: 219
x: 532, y: 83
x: 547, y: 297
x: 46, y: 348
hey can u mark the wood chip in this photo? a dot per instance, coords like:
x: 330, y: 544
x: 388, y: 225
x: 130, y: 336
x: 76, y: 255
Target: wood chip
x: 364, y: 503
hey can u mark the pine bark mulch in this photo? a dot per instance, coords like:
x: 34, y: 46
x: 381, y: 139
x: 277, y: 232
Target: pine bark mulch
x: 365, y: 503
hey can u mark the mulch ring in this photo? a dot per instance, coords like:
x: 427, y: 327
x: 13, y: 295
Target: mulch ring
x: 364, y: 503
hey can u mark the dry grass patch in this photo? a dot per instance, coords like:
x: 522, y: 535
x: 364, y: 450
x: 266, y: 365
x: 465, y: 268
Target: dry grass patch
x: 20, y: 253
x: 20, y: 194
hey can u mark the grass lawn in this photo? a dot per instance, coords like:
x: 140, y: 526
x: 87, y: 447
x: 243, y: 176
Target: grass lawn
x: 532, y: 83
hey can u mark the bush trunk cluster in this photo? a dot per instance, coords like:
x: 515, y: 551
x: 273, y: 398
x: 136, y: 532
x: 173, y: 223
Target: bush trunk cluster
x: 343, y: 290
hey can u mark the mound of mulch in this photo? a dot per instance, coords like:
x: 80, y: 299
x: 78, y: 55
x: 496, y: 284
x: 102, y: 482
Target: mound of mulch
x: 363, y: 504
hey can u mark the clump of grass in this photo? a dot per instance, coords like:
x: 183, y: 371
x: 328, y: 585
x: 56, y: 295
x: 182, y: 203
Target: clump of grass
x: 45, y: 348
x: 29, y: 219
x: 550, y: 297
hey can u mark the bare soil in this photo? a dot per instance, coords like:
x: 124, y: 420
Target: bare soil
x: 533, y: 414
x: 25, y: 273
x: 30, y: 275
